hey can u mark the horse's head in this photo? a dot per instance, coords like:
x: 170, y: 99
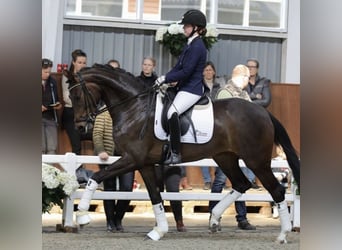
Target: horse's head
x: 85, y: 97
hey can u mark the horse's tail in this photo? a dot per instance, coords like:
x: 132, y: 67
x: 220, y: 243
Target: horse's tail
x: 282, y: 138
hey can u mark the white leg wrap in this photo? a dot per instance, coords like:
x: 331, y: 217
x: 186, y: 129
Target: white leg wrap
x: 82, y: 218
x: 220, y: 207
x: 87, y: 195
x: 285, y: 221
x: 275, y: 212
x: 162, y: 225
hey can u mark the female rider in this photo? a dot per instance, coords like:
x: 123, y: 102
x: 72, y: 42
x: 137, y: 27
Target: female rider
x: 187, y: 77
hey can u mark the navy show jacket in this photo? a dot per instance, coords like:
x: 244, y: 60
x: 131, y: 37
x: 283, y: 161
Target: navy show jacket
x: 188, y: 71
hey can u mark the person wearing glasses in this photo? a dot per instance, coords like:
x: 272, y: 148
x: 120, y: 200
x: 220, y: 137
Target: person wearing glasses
x: 233, y: 89
x: 50, y: 103
x: 258, y: 89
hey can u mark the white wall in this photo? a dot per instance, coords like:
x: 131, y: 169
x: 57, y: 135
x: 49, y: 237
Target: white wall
x: 292, y: 66
x: 52, y: 30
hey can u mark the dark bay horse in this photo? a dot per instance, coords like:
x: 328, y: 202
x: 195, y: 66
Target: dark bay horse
x: 242, y: 130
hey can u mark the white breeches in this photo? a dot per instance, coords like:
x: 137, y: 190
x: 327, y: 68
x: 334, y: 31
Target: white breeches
x: 182, y: 102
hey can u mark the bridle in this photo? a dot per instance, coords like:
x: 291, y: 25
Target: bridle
x: 89, y: 100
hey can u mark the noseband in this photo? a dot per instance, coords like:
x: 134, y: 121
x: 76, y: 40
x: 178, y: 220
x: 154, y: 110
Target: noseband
x: 89, y: 100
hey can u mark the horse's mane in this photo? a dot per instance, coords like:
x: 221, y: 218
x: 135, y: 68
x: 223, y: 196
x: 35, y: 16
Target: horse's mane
x: 109, y: 68
x: 126, y: 79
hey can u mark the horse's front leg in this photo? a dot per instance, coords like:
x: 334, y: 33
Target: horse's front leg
x: 149, y: 176
x: 123, y: 165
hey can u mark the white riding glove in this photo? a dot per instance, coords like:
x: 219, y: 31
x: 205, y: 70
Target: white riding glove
x: 159, y: 81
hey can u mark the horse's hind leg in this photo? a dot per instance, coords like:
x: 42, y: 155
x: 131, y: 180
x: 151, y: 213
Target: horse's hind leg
x: 149, y: 176
x: 264, y: 173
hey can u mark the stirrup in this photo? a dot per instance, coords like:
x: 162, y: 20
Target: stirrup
x: 173, y: 159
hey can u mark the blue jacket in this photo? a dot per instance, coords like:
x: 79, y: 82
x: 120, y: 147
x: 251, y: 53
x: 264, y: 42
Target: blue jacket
x: 188, y: 71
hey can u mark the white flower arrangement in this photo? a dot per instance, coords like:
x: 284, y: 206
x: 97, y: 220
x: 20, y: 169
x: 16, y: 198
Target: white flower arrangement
x: 211, y: 31
x: 174, y: 39
x: 56, y: 185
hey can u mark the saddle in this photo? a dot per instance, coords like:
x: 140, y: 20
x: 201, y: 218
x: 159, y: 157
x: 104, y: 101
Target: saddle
x: 185, y: 120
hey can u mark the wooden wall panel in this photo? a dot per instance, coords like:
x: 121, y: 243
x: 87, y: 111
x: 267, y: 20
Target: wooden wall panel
x: 285, y: 106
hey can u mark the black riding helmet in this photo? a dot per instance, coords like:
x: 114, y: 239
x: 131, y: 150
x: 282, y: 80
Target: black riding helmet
x: 194, y: 17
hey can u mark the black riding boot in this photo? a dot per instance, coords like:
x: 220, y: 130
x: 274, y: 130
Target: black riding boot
x: 174, y: 156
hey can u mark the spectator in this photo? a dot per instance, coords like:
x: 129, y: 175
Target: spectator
x: 282, y: 175
x: 206, y: 177
x: 234, y: 88
x: 79, y: 61
x: 147, y: 75
x: 258, y: 89
x: 104, y: 147
x: 214, y: 84
x: 184, y: 183
x: 50, y: 103
x: 114, y: 63
x: 171, y: 176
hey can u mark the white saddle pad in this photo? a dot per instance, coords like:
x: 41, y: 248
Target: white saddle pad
x: 202, y: 117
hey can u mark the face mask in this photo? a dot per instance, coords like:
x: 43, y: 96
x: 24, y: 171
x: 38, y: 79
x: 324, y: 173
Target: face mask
x: 240, y: 81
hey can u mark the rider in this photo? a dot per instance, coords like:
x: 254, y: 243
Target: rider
x: 187, y: 77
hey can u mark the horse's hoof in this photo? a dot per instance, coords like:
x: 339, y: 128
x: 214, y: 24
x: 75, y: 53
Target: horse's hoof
x: 82, y: 218
x: 147, y: 238
x: 213, y: 228
x: 282, y: 241
x: 154, y: 235
x: 214, y: 225
x: 282, y: 238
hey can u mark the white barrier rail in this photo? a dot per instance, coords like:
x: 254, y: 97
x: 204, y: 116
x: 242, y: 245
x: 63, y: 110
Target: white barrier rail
x: 70, y: 162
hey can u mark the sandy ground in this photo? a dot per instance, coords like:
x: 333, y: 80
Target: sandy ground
x: 95, y: 236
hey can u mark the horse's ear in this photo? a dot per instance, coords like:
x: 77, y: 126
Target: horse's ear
x: 66, y: 73
x: 69, y: 75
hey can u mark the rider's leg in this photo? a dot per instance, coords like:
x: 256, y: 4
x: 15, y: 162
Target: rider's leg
x: 175, y: 156
x: 182, y: 102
